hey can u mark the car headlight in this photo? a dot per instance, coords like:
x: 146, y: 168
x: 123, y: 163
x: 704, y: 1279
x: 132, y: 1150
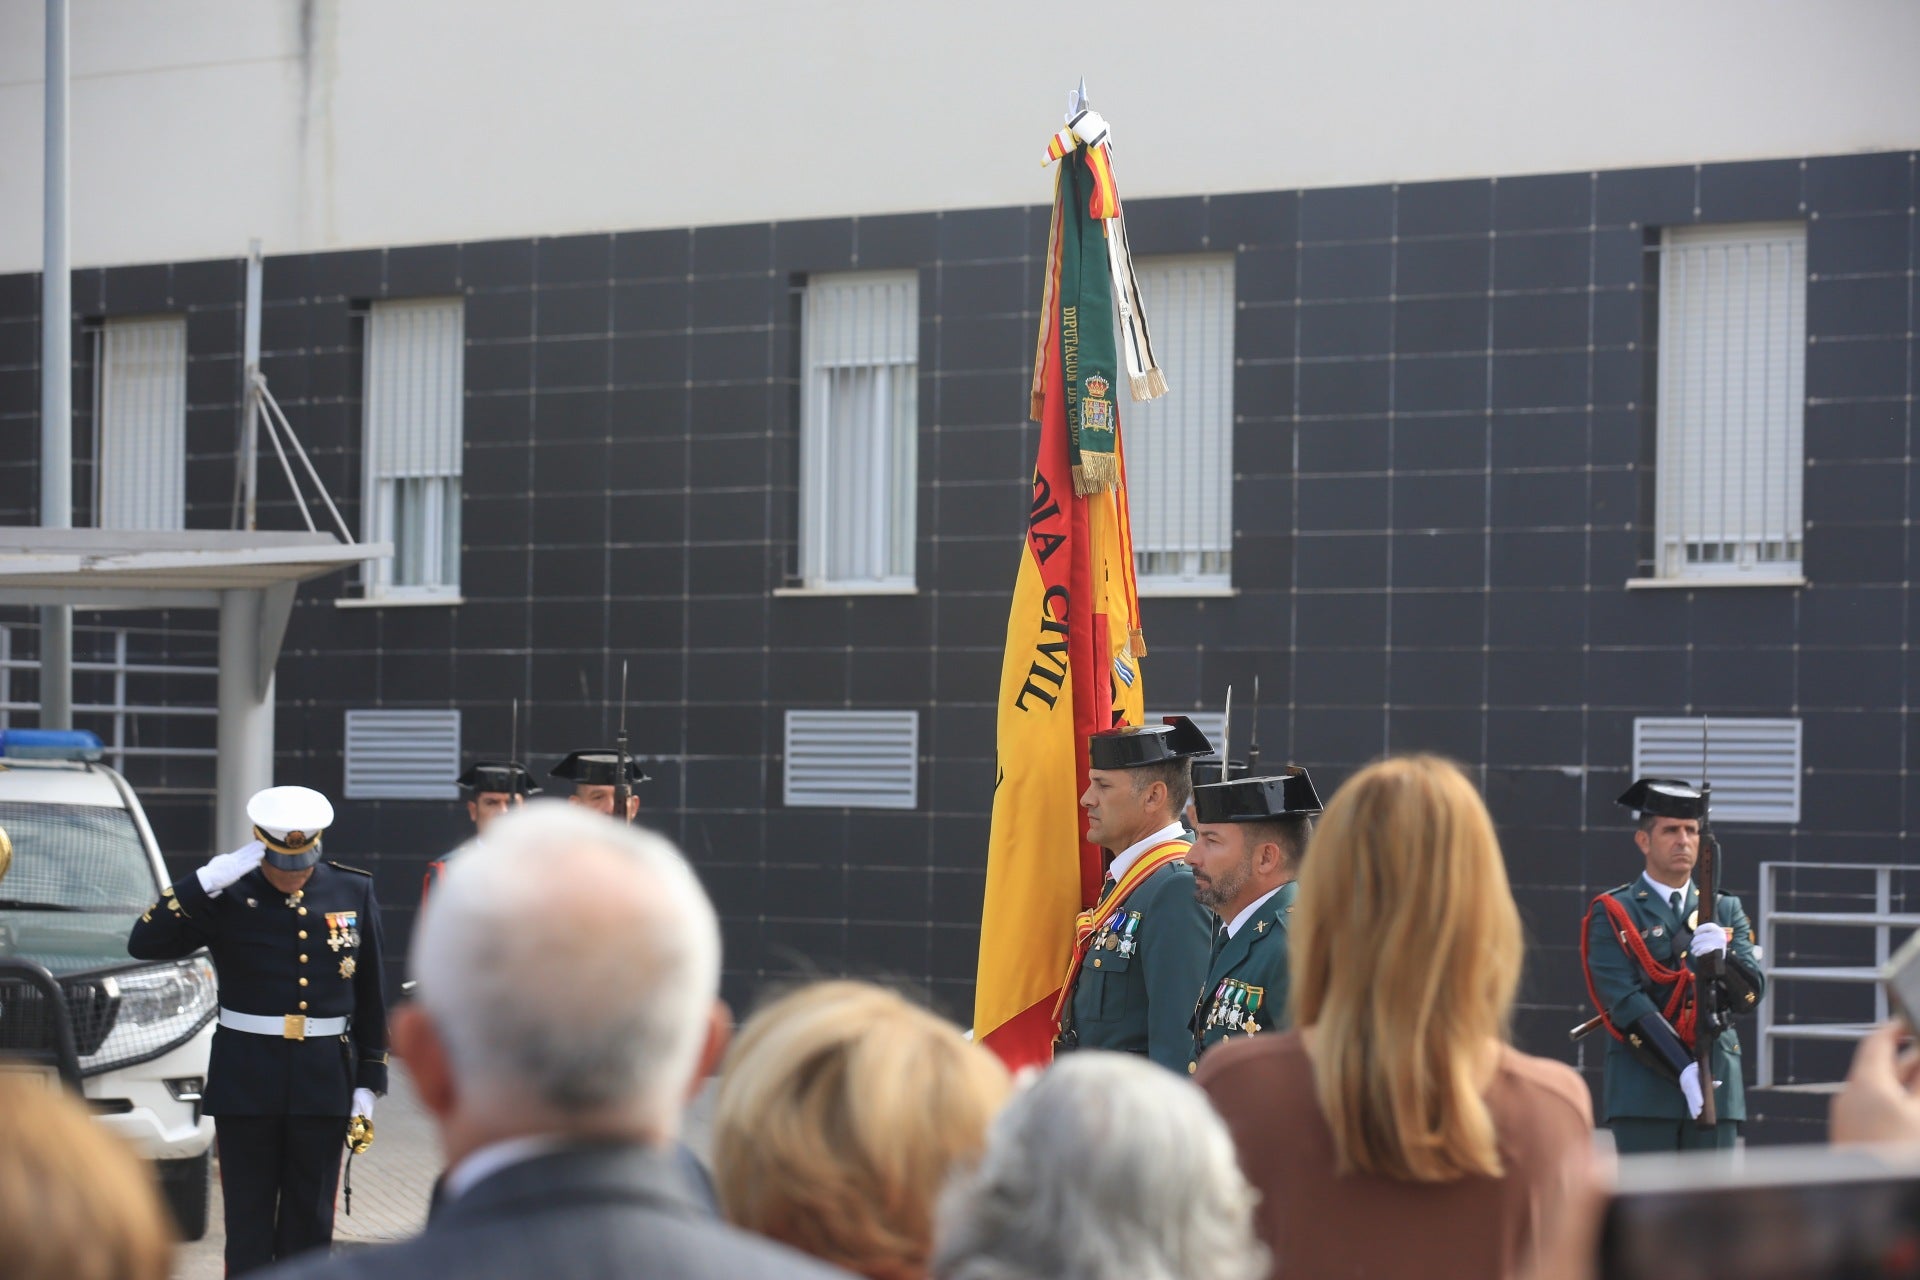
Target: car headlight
x: 156, y: 1007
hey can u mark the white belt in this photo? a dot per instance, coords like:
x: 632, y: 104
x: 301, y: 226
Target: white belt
x: 293, y: 1026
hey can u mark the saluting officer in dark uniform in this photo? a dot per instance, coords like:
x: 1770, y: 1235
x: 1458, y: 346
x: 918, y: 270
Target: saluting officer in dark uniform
x: 302, y: 1041
x: 595, y: 773
x: 1250, y: 836
x: 1636, y: 952
x: 492, y: 788
x: 1140, y: 954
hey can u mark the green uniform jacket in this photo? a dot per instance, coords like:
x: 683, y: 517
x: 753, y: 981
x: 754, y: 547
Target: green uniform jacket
x: 1246, y: 987
x: 1146, y: 961
x: 1634, y: 1089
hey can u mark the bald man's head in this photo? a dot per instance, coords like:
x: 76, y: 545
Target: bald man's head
x: 570, y: 962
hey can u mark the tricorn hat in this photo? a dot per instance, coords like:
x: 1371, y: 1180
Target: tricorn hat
x: 507, y: 777
x: 1664, y: 797
x: 1211, y: 769
x: 1134, y: 747
x: 1284, y: 795
x: 290, y: 822
x: 597, y: 767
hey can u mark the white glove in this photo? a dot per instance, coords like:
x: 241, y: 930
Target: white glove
x: 363, y: 1100
x: 1709, y: 938
x: 1690, y: 1085
x: 229, y: 867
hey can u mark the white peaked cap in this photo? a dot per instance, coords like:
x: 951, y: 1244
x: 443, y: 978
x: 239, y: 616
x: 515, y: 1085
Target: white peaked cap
x: 280, y: 811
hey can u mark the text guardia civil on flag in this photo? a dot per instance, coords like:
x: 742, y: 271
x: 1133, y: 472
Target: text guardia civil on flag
x: 1073, y: 635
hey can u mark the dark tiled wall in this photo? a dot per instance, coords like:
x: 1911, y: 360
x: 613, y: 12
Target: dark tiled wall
x: 1441, y: 487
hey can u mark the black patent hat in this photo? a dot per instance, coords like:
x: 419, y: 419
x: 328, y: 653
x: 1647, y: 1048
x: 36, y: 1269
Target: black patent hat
x: 1211, y: 769
x: 1665, y: 798
x: 506, y: 777
x: 1135, y: 747
x: 1285, y: 795
x: 598, y: 767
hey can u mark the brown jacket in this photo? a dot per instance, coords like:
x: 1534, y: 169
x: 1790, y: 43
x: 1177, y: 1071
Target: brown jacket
x: 1363, y: 1225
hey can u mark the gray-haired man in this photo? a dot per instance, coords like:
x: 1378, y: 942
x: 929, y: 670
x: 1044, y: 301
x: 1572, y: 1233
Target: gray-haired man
x: 569, y: 973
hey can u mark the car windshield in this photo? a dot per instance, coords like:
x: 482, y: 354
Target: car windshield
x: 74, y: 857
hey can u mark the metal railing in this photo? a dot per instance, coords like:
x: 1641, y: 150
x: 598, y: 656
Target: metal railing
x: 117, y: 717
x: 1838, y: 910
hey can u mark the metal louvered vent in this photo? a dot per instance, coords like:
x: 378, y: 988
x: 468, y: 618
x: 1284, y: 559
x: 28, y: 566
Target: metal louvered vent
x: 1754, y: 765
x: 403, y: 755
x: 853, y: 759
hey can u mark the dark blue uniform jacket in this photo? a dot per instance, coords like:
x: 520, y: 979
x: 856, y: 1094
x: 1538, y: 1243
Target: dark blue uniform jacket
x: 319, y: 956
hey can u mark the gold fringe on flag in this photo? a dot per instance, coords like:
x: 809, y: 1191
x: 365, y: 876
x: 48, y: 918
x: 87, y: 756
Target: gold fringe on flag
x: 1097, y: 473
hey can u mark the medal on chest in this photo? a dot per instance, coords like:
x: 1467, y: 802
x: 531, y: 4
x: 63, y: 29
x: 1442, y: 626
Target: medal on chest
x: 343, y: 932
x: 1236, y: 1006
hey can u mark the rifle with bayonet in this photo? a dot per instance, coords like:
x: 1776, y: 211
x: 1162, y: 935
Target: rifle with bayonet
x: 1708, y: 970
x: 1253, y: 745
x: 623, y: 781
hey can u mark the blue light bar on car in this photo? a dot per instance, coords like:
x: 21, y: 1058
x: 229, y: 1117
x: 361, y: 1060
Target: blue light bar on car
x: 48, y: 744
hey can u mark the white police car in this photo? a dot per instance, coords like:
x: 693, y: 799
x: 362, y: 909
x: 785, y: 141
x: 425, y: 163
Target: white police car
x: 84, y: 867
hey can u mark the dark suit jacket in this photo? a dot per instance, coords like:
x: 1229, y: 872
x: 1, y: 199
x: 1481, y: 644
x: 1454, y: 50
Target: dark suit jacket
x: 599, y: 1212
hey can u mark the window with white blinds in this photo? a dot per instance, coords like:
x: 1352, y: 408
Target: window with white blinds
x: 853, y: 759
x: 1732, y: 374
x: 141, y: 424
x: 402, y: 755
x: 1754, y: 765
x: 414, y: 399
x: 1180, y: 447
x: 859, y: 424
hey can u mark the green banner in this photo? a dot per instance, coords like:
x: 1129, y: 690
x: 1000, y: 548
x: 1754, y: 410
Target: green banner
x: 1087, y: 355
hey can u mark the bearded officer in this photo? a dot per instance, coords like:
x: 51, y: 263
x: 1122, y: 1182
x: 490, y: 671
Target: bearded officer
x: 595, y: 775
x: 302, y: 1040
x: 1639, y: 944
x: 492, y: 788
x: 1141, y: 952
x: 1250, y: 836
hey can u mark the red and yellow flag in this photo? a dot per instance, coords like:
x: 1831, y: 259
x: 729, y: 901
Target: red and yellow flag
x: 1071, y: 668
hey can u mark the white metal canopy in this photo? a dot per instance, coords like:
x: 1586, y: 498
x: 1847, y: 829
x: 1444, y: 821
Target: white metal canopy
x: 249, y: 577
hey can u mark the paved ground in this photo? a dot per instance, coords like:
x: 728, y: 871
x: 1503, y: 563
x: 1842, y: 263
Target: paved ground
x: 390, y: 1183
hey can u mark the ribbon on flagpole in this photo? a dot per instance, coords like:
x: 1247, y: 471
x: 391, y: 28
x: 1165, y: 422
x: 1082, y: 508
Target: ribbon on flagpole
x: 1090, y: 276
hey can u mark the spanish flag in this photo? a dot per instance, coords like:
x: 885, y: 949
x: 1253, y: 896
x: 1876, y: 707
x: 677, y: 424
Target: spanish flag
x: 1072, y: 662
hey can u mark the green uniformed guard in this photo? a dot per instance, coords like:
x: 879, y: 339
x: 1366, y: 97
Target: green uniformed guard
x: 1250, y: 835
x: 595, y: 775
x: 1141, y: 952
x: 492, y: 789
x: 1636, y: 948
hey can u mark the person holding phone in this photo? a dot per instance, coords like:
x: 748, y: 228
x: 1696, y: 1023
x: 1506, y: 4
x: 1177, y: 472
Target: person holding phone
x: 1640, y: 941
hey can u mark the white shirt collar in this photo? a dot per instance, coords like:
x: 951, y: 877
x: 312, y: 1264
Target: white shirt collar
x: 1666, y: 891
x: 1238, y: 921
x: 1125, y: 859
x: 489, y: 1160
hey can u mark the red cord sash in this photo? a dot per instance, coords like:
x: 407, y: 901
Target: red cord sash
x: 1679, y: 1010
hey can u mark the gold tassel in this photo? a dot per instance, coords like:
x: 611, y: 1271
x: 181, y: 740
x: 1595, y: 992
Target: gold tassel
x: 1038, y: 404
x: 1137, y: 642
x: 1097, y: 473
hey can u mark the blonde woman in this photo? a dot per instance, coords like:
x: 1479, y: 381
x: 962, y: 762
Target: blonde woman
x: 842, y: 1110
x: 75, y: 1202
x: 1396, y: 1133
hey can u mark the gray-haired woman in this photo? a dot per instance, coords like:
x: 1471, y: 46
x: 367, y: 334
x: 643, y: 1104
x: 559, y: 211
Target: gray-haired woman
x: 1106, y: 1168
